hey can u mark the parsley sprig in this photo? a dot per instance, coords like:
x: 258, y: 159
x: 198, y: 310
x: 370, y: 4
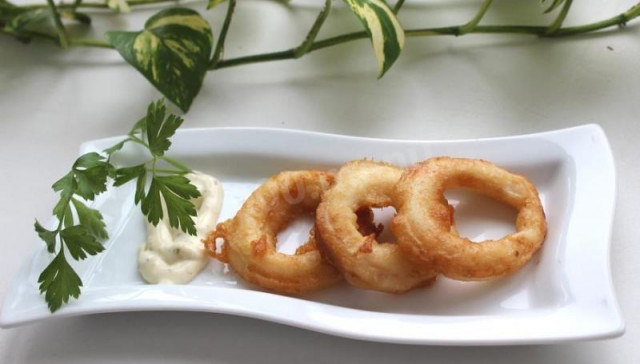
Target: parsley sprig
x: 81, y: 229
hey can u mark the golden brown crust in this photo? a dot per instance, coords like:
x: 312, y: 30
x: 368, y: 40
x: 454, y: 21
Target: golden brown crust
x: 423, y: 225
x: 354, y: 250
x: 250, y: 237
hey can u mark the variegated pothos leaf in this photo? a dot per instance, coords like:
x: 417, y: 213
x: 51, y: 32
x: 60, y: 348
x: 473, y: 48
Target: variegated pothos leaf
x: 17, y: 19
x: 172, y: 52
x: 384, y: 29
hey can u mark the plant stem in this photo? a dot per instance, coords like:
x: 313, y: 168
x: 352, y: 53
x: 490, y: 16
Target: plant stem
x: 88, y: 42
x: 541, y: 31
x: 175, y: 163
x: 217, y: 54
x: 62, y: 34
x: 476, y: 19
x: 92, y: 5
x: 396, y: 8
x: 313, y: 32
x: 619, y: 20
x: 560, y: 18
x: 168, y: 171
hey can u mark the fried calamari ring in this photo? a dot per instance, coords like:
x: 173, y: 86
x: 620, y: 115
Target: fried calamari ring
x: 251, y: 236
x: 365, y: 262
x: 423, y: 224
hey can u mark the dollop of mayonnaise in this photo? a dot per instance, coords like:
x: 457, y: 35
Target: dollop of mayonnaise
x: 171, y: 256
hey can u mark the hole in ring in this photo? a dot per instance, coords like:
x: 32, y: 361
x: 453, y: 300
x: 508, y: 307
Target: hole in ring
x: 480, y: 218
x: 295, y: 234
x: 381, y: 219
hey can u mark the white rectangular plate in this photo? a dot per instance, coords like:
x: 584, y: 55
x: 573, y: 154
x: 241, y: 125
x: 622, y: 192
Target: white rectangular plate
x: 565, y: 293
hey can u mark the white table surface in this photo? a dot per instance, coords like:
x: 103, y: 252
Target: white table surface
x: 441, y: 88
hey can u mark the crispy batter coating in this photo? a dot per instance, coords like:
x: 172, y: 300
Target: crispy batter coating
x: 423, y: 224
x: 251, y: 236
x: 364, y: 261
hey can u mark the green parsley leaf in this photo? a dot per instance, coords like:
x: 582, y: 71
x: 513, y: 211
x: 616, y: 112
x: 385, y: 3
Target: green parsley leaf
x: 116, y: 147
x: 60, y: 209
x: 80, y: 242
x: 91, y: 171
x: 140, y: 125
x: 80, y: 232
x: 59, y: 282
x: 65, y: 185
x: 91, y: 219
x: 140, y: 185
x: 48, y: 236
x: 68, y: 216
x: 126, y: 174
x: 160, y: 129
x: 176, y: 192
x: 152, y: 204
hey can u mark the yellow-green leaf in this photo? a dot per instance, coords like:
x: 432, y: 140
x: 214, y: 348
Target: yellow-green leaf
x: 172, y: 52
x: 119, y: 6
x: 385, y: 31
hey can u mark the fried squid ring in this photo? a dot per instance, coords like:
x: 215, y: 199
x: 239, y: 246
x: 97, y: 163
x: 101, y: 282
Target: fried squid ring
x: 423, y: 224
x: 363, y: 261
x: 251, y: 236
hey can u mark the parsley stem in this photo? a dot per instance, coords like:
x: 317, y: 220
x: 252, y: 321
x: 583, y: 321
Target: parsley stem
x: 139, y: 141
x: 175, y: 163
x: 164, y: 170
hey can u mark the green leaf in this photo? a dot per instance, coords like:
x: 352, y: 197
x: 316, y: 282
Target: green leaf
x: 91, y: 219
x: 213, y: 3
x: 48, y: 236
x: 59, y: 282
x: 152, y: 203
x: 91, y: 172
x: 116, y: 147
x: 140, y: 185
x: 66, y: 185
x: 139, y: 172
x: 21, y: 18
x: 80, y: 242
x: 384, y: 29
x: 68, y: 216
x: 139, y: 126
x: 126, y: 174
x: 160, y: 129
x: 60, y: 209
x: 175, y: 191
x: 89, y: 160
x: 172, y: 52
x: 119, y: 6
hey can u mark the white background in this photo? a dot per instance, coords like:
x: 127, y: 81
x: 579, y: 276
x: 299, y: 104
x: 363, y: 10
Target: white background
x: 441, y: 88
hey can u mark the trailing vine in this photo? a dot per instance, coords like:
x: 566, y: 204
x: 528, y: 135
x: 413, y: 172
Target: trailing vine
x: 176, y: 48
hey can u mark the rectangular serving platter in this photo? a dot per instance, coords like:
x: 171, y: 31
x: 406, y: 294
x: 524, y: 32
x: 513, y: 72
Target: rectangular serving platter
x: 564, y: 294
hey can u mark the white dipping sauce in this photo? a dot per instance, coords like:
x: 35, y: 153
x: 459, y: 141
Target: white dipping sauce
x: 171, y: 256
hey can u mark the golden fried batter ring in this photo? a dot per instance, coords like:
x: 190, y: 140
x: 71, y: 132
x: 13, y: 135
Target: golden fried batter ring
x: 251, y: 236
x: 365, y: 262
x: 423, y: 224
